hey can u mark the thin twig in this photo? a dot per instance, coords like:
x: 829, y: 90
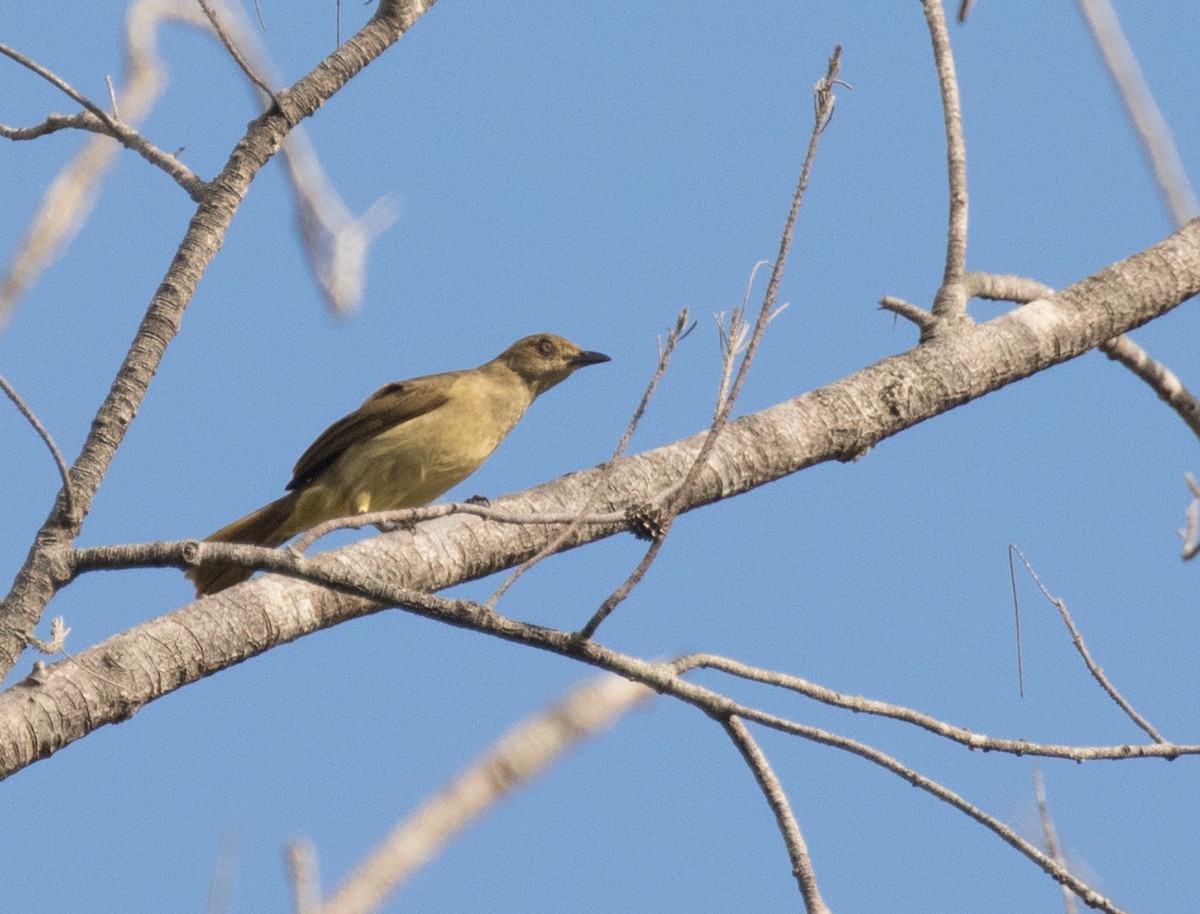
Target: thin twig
x: 407, y: 517
x: 907, y: 310
x: 768, y: 783
x: 110, y: 125
x: 950, y: 300
x: 665, y: 350
x: 1050, y: 835
x: 40, y: 577
x: 112, y: 97
x: 1151, y: 128
x: 1161, y: 379
x: 825, y: 101
x: 964, y: 737
x: 61, y: 84
x: 301, y: 860
x: 237, y: 55
x: 1081, y: 647
x: 1012, y: 580
x: 31, y: 417
x: 1191, y: 535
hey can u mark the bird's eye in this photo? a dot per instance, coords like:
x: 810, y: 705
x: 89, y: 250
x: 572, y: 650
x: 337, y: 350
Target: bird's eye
x: 546, y: 347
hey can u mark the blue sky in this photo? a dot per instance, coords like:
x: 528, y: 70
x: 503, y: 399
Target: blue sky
x: 590, y: 169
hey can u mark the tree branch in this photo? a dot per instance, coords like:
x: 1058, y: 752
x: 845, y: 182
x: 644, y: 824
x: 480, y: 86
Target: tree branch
x: 521, y: 754
x: 769, y: 784
x: 37, y: 580
x: 951, y: 301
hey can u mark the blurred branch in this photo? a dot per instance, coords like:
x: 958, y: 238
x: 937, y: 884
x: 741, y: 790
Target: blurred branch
x: 1175, y: 190
x: 1148, y: 122
x: 70, y: 197
x: 519, y: 756
x: 335, y: 241
x: 1050, y: 835
x: 301, y: 859
x: 1191, y: 535
x: 24, y: 716
x: 42, y: 572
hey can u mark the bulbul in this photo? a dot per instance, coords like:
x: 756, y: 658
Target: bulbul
x: 408, y: 443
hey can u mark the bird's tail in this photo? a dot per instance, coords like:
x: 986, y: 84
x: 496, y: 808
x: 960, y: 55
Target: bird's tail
x: 265, y: 527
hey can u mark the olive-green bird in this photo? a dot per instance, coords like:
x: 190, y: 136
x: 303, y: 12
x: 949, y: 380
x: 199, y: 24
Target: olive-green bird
x: 406, y: 445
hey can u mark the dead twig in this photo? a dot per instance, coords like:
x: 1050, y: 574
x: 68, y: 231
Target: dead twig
x: 664, y: 515
x: 1077, y: 639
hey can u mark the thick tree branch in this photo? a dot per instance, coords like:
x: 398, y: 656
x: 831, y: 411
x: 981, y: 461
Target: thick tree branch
x: 835, y: 422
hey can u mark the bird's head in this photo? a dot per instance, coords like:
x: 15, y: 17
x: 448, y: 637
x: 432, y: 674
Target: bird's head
x: 544, y: 359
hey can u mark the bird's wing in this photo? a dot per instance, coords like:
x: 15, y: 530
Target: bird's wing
x: 389, y: 406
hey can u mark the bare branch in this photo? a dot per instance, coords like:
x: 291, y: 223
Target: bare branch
x: 301, y: 859
x: 907, y: 310
x: 1050, y: 835
x: 1150, y: 126
x: 676, y: 334
x: 1081, y: 647
x: 1191, y: 535
x: 971, y: 740
x: 769, y: 784
x: 950, y: 302
x: 516, y: 758
x: 109, y: 125
x: 407, y: 517
x: 823, y: 94
x: 1161, y: 379
x: 39, y: 578
x: 1122, y: 349
x: 1002, y: 287
x: 237, y: 55
x: 62, y: 85
x: 31, y: 417
x: 24, y: 720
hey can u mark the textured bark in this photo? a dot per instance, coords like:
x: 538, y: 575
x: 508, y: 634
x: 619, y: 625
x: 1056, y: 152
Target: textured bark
x: 66, y: 701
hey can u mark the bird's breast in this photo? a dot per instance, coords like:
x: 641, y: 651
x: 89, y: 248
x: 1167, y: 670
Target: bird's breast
x: 414, y: 462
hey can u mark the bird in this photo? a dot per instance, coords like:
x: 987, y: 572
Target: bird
x: 408, y: 443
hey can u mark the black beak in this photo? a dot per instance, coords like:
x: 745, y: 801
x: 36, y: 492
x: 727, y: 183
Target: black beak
x: 588, y: 358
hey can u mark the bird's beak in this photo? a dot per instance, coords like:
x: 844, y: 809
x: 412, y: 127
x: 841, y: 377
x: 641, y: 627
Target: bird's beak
x: 588, y: 358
